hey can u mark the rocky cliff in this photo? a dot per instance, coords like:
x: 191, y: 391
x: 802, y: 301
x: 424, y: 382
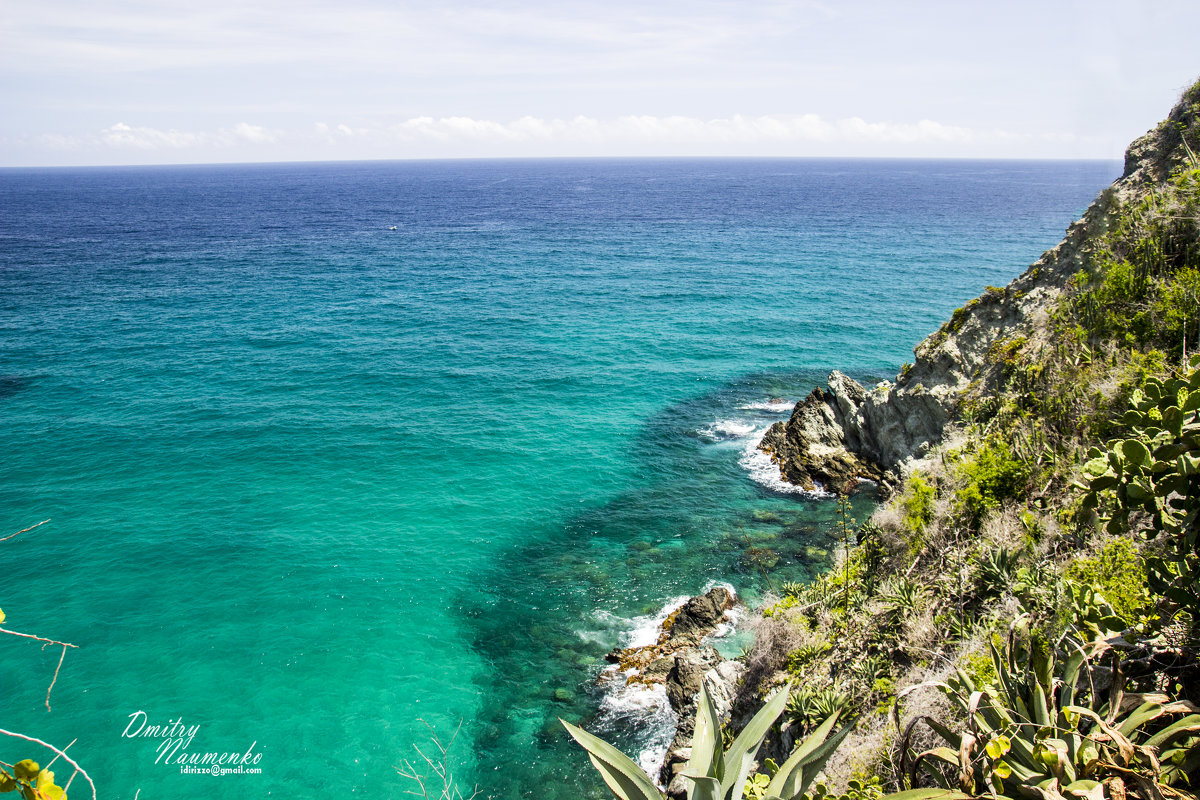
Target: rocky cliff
x: 845, y: 432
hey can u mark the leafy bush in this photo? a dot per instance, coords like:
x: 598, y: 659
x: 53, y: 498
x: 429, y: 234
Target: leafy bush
x: 917, y: 504
x: 804, y: 655
x: 993, y: 476
x: 1118, y: 573
x: 1143, y: 284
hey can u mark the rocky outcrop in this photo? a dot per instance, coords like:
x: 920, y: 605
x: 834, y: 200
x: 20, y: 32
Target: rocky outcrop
x: 816, y: 448
x: 681, y: 631
x: 691, y: 671
x: 682, y: 661
x: 845, y: 432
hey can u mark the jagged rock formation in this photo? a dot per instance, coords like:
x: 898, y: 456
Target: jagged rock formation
x: 682, y: 631
x: 693, y: 670
x: 681, y: 661
x: 845, y: 432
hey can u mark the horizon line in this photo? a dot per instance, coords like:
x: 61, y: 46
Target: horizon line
x: 460, y: 159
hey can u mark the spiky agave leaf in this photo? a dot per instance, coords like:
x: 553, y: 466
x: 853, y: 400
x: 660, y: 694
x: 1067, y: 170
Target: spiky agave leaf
x: 625, y: 779
x: 740, y: 755
x: 802, y: 767
x: 928, y: 794
x: 707, y: 760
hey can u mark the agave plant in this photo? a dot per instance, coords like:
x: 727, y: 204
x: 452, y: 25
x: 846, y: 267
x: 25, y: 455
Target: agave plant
x: 901, y: 597
x: 1032, y: 735
x: 997, y: 571
x: 870, y: 669
x: 717, y: 774
x: 808, y: 705
x: 793, y: 589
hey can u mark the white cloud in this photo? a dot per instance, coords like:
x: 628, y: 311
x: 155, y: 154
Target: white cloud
x: 857, y: 129
x: 124, y: 136
x: 255, y: 134
x: 402, y: 78
x: 631, y: 129
x: 121, y: 135
x: 526, y: 136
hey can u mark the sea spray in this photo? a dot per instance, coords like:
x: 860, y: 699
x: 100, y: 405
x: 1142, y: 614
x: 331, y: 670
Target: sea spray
x: 640, y: 706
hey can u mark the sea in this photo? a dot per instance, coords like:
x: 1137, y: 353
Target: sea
x: 356, y: 469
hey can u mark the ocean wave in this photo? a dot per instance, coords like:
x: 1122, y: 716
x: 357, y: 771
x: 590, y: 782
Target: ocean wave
x: 643, y: 707
x: 779, y: 406
x: 765, y: 472
x: 726, y: 429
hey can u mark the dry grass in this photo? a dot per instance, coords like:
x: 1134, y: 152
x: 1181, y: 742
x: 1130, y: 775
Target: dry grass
x: 774, y: 639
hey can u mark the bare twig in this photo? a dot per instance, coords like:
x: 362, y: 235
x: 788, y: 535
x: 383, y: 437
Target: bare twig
x: 39, y: 638
x: 65, y: 749
x: 27, y: 530
x: 440, y: 768
x: 54, y: 680
x: 78, y: 769
x: 48, y: 642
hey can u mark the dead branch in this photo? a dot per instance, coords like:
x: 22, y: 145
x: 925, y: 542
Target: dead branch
x: 27, y: 530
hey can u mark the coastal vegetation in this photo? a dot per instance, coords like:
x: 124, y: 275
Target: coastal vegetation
x: 1021, y: 618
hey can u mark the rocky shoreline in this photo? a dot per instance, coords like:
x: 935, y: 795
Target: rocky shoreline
x: 844, y: 433
x: 682, y: 661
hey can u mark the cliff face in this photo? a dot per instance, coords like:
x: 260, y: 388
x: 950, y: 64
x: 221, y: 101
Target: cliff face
x: 845, y: 432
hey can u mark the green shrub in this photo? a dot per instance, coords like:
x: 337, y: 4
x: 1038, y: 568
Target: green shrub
x: 801, y: 657
x: 917, y: 504
x: 1142, y: 285
x: 1006, y: 351
x: 959, y: 316
x: 1118, y: 573
x: 979, y: 668
x: 993, y: 476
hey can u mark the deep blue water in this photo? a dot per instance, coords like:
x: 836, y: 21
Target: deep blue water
x: 314, y: 482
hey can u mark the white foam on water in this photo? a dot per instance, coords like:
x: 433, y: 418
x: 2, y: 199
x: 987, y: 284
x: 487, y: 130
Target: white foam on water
x: 765, y: 472
x: 726, y: 429
x: 780, y: 406
x: 640, y: 707
x: 732, y: 617
x: 644, y: 630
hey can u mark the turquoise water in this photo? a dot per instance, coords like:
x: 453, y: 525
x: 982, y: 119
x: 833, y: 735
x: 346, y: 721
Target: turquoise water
x: 313, y: 481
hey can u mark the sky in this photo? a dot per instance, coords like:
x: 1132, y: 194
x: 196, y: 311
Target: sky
x: 107, y: 82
